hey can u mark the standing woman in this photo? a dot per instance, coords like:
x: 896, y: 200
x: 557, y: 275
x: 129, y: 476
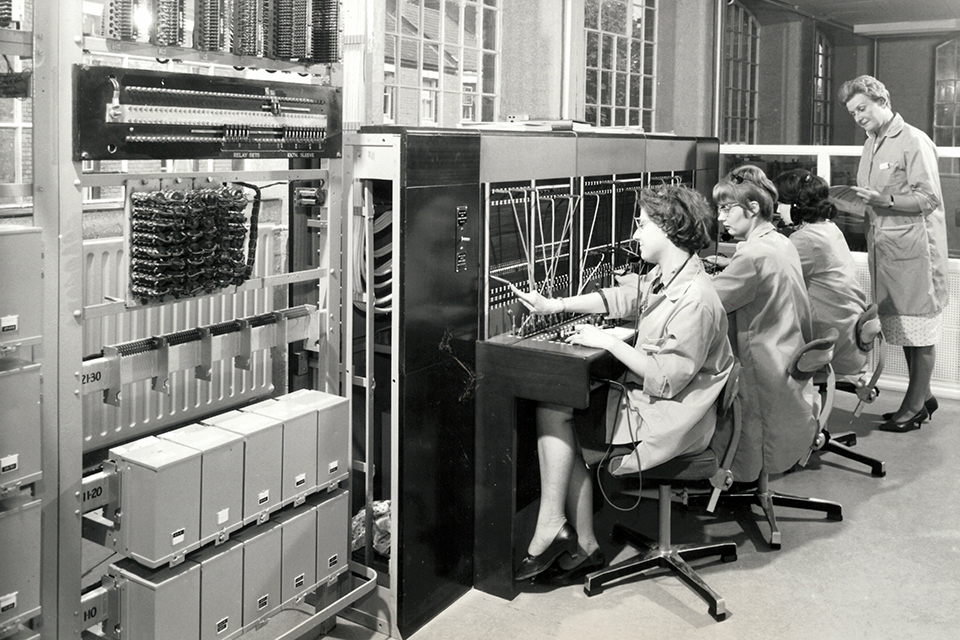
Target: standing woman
x: 899, y: 181
x: 764, y: 296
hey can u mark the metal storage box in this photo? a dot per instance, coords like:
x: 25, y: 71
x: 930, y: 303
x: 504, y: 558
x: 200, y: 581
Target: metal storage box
x: 221, y: 590
x: 221, y: 477
x: 262, y: 461
x: 21, y: 307
x: 261, y: 570
x: 19, y: 423
x: 299, y: 446
x: 159, y: 604
x: 19, y: 563
x: 333, y: 525
x: 333, y: 433
x: 298, y: 562
x: 159, y: 500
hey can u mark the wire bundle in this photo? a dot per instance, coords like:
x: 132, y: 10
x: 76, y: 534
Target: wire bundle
x: 185, y: 243
x: 326, y: 31
x: 382, y: 263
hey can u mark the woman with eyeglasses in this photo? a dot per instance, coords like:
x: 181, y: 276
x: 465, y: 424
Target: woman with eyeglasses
x: 899, y: 182
x: 762, y: 289
x: 664, y: 404
x: 836, y: 298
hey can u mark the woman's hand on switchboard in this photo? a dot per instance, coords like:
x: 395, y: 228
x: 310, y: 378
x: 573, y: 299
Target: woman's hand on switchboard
x: 537, y: 303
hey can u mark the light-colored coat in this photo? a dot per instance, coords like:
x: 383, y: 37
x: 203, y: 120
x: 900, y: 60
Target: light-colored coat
x: 683, y: 333
x: 836, y: 298
x: 762, y: 289
x: 907, y: 253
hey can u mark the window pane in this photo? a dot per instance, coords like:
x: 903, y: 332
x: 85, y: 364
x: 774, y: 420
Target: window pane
x: 621, y: 97
x: 637, y: 26
x: 620, y: 117
x: 607, y: 52
x: 606, y: 87
x: 592, y: 97
x: 390, y: 50
x: 593, y: 49
x: 591, y: 14
x: 613, y: 16
x: 452, y: 34
x: 489, y: 72
x: 6, y: 110
x: 470, y: 29
x: 471, y: 64
x: 488, y: 109
x: 489, y: 30
x: 590, y: 114
x: 622, y: 44
x: 605, y: 119
x: 431, y: 19
x: 411, y: 15
x: 391, y: 17
x: 8, y: 168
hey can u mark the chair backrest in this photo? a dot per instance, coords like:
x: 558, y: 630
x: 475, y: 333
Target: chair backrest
x: 813, y: 359
x: 726, y: 436
x: 869, y: 335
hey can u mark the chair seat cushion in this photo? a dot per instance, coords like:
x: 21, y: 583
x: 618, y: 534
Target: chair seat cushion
x: 687, y: 467
x: 692, y: 466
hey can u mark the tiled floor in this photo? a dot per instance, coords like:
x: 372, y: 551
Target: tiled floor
x: 889, y: 570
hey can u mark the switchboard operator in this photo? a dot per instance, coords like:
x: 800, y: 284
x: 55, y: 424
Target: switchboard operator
x: 664, y: 403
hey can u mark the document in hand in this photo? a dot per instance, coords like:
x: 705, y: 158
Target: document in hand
x: 847, y: 201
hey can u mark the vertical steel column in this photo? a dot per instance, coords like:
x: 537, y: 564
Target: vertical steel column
x: 57, y: 205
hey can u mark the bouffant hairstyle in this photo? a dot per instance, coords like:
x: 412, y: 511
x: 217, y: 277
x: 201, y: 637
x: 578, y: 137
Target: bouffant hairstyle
x: 868, y: 86
x: 747, y: 184
x: 807, y: 194
x: 683, y: 214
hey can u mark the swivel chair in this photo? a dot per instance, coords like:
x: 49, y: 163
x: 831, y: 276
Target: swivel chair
x: 711, y: 465
x: 868, y: 336
x: 811, y: 358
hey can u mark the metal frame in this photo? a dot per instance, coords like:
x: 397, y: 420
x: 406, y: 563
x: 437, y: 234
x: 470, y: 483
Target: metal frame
x: 56, y: 45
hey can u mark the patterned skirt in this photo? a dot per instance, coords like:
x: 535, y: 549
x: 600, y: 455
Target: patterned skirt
x: 913, y: 331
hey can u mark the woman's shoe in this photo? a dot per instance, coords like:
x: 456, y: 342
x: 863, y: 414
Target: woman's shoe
x: 930, y: 405
x: 911, y: 423
x: 564, y: 541
x: 573, y: 575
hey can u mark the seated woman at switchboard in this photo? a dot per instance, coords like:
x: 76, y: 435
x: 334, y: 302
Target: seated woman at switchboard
x: 763, y: 291
x: 836, y: 298
x: 675, y: 371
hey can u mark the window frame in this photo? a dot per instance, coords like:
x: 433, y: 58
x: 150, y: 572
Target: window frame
x: 741, y: 59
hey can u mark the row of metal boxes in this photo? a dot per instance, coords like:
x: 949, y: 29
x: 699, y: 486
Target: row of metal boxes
x: 19, y: 423
x: 19, y: 563
x: 219, y: 591
x: 191, y: 486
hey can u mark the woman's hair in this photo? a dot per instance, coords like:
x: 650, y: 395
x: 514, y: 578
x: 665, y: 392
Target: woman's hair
x: 868, y: 86
x: 747, y: 184
x: 683, y: 214
x: 807, y: 194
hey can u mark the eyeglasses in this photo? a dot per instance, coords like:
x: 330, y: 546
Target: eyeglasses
x: 724, y: 209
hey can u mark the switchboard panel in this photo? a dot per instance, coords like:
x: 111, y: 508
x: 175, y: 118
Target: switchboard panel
x: 20, y: 435
x: 158, y: 604
x: 20, y: 573
x: 262, y: 460
x: 21, y: 309
x: 333, y: 433
x: 124, y: 114
x: 221, y: 477
x: 299, y: 446
x: 159, y: 500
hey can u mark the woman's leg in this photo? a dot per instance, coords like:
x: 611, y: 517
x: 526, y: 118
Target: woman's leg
x: 556, y: 448
x: 580, y: 508
x: 920, y: 363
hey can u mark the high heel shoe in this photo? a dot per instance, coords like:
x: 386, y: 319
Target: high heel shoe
x: 564, y: 541
x: 911, y: 423
x: 930, y: 405
x: 573, y: 575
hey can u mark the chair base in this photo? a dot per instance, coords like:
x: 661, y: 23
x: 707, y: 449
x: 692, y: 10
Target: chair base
x: 674, y: 559
x: 767, y: 500
x: 840, y: 445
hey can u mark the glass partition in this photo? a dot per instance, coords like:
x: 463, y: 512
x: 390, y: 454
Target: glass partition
x: 838, y: 166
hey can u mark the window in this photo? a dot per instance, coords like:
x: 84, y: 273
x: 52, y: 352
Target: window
x: 441, y: 61
x: 946, y: 103
x: 621, y: 62
x: 822, y: 91
x: 741, y: 62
